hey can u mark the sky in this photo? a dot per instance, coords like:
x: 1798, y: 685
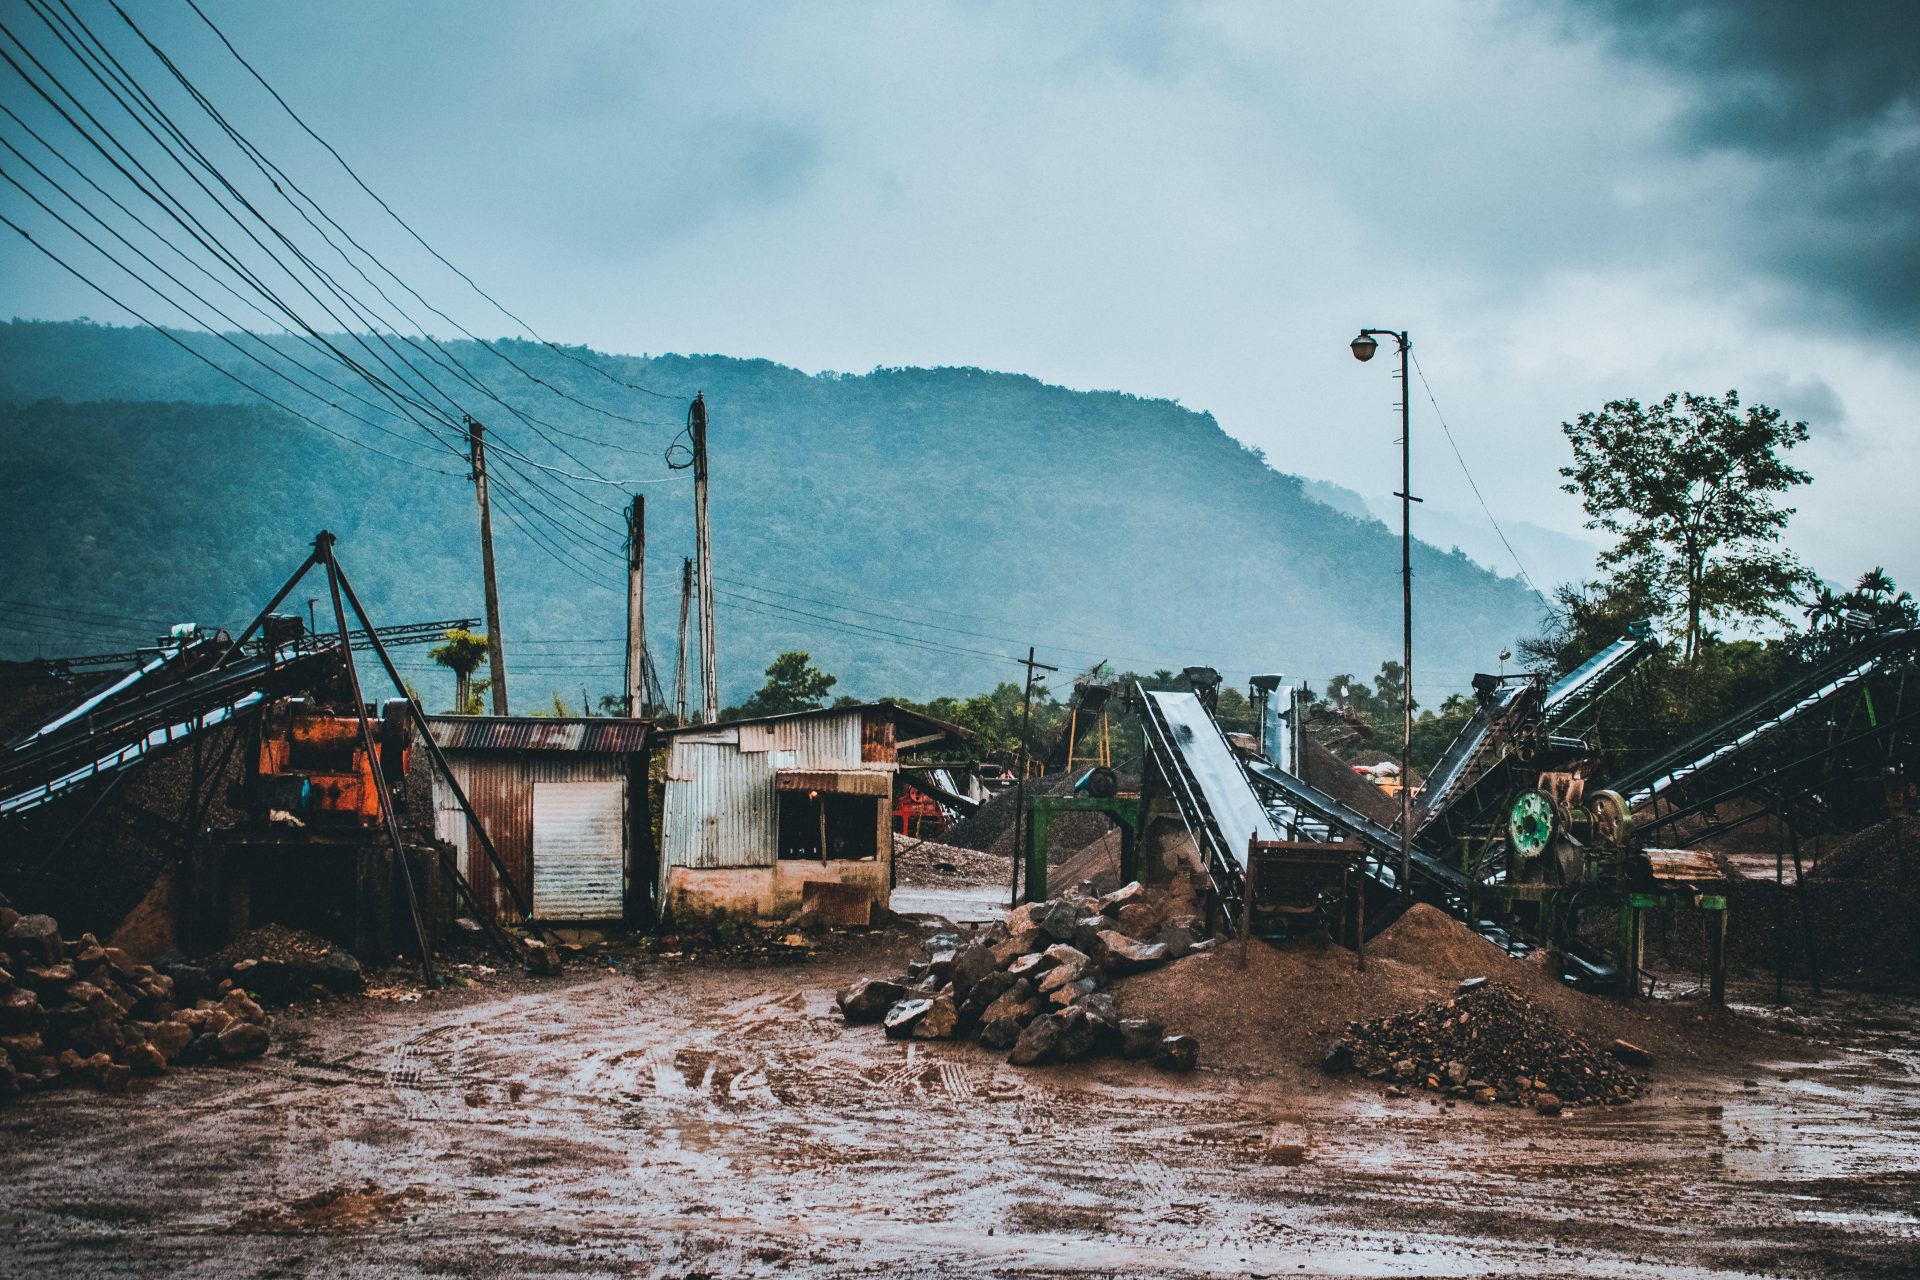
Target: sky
x: 1563, y: 204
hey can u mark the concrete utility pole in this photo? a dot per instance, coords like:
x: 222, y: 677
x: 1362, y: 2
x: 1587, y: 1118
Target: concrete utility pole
x: 496, y: 655
x: 709, y: 681
x: 680, y: 669
x: 637, y: 606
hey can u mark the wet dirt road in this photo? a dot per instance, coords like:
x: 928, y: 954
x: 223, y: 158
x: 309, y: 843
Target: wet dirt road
x: 704, y: 1120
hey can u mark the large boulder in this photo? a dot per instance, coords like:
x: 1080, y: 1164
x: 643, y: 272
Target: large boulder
x: 1077, y: 1033
x: 1121, y: 897
x: 341, y: 973
x: 1000, y: 1033
x: 1069, y: 964
x: 1178, y: 1053
x: 971, y: 963
x: 905, y: 1016
x: 939, y: 1021
x: 1039, y: 1043
x: 1017, y: 944
x: 1018, y: 1003
x: 1124, y: 955
x: 1056, y: 918
x: 983, y: 993
x: 868, y: 999
x: 243, y: 1040
x: 35, y: 939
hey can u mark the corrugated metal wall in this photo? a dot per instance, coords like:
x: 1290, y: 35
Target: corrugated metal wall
x: 499, y: 785
x: 721, y: 809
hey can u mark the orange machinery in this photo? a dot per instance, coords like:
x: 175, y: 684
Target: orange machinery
x: 312, y: 767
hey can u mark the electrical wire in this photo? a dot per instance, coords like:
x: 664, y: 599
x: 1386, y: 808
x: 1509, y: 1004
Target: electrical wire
x: 1471, y: 482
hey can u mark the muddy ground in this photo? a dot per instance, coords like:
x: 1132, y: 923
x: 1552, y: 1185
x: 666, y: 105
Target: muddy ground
x: 712, y: 1118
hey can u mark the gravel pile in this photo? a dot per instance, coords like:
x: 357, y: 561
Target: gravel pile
x: 1491, y: 1045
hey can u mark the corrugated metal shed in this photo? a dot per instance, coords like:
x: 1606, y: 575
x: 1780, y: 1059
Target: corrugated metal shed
x: 539, y: 733
x: 500, y: 786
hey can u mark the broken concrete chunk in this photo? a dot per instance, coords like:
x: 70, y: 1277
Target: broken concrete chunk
x: 869, y: 999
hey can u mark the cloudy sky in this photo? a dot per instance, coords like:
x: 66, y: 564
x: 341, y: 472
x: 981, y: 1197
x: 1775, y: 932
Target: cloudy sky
x: 1563, y: 203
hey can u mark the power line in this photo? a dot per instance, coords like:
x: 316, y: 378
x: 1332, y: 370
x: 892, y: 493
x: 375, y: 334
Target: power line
x: 1471, y: 482
x: 418, y: 238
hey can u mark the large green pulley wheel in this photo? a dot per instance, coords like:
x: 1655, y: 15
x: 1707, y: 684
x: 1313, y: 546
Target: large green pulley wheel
x: 1530, y: 824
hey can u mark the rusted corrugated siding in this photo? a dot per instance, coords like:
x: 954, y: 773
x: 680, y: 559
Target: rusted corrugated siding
x: 720, y: 807
x: 827, y: 741
x: 590, y: 734
x: 499, y: 785
x: 876, y: 740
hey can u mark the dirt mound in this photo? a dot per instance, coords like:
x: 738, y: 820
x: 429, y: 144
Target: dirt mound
x: 1434, y: 942
x: 1885, y: 855
x: 1494, y: 1045
x: 1098, y: 863
x: 1336, y: 777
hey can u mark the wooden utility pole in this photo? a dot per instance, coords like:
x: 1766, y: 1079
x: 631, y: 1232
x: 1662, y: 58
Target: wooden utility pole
x: 709, y: 681
x: 1020, y: 783
x: 680, y: 669
x: 496, y: 656
x: 637, y: 606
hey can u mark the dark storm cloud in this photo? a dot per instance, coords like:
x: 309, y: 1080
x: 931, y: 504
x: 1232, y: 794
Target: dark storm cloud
x: 1827, y: 99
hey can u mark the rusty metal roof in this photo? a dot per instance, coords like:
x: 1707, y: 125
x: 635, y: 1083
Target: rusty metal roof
x: 601, y: 734
x: 899, y: 715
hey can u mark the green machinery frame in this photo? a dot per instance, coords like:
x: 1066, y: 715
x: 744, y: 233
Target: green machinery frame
x: 1128, y: 811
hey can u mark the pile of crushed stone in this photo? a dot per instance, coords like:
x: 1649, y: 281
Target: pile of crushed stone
x: 1489, y: 1044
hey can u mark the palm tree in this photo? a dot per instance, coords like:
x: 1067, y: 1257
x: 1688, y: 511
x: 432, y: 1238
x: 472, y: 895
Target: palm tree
x: 462, y: 654
x: 1825, y: 607
x: 1874, y: 583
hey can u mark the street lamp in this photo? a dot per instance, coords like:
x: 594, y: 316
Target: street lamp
x: 1363, y: 348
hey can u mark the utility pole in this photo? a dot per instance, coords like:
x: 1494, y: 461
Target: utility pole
x: 1363, y: 348
x: 637, y: 606
x: 680, y: 670
x: 709, y: 681
x: 1020, y: 783
x: 496, y: 656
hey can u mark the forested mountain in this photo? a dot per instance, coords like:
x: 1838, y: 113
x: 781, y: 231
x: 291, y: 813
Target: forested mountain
x: 911, y: 528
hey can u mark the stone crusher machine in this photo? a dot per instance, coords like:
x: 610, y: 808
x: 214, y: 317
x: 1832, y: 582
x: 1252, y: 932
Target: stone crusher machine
x: 1506, y: 839
x: 310, y: 768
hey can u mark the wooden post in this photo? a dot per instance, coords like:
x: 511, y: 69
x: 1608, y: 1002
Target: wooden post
x: 680, y: 670
x: 703, y: 540
x: 496, y: 655
x: 637, y: 606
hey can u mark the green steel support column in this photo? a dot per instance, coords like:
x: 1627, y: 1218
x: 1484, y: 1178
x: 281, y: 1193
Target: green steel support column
x: 1038, y: 817
x: 1717, y: 955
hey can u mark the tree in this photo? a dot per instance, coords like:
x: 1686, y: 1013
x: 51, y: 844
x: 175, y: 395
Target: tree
x: 462, y: 653
x: 793, y: 684
x: 1689, y: 487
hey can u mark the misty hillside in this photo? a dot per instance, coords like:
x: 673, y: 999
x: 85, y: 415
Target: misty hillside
x: 912, y: 528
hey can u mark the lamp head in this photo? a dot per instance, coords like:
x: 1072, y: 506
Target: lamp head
x: 1363, y: 347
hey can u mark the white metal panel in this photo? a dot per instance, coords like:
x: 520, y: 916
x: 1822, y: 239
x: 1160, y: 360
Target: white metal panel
x: 827, y: 741
x: 579, y: 850
x: 720, y: 807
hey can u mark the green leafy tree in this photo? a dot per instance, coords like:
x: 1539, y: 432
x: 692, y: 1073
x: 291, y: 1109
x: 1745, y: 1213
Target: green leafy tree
x: 1690, y: 487
x: 793, y: 684
x: 462, y: 653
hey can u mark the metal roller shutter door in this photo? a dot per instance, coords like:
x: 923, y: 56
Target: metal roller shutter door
x: 578, y: 849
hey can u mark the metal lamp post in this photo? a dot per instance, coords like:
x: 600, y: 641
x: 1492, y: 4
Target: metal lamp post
x: 1363, y: 348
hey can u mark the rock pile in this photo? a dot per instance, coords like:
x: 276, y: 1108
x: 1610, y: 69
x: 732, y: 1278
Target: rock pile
x: 279, y: 965
x: 1488, y: 1044
x: 73, y: 1010
x: 1035, y: 986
